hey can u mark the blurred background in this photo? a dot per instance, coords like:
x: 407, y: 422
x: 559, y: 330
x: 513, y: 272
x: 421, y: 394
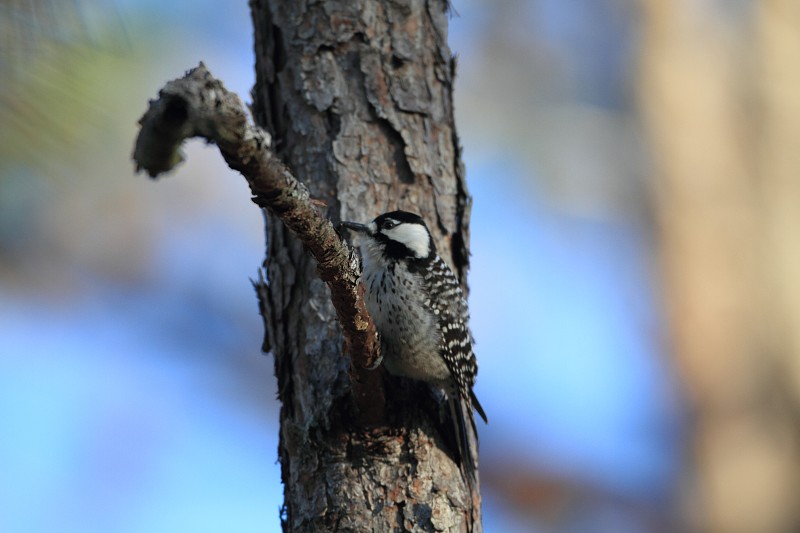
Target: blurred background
x: 635, y: 166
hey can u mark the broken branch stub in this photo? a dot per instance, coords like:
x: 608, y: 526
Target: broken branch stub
x: 198, y: 105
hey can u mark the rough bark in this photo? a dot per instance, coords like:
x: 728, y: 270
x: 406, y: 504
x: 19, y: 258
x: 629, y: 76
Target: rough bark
x: 358, y: 98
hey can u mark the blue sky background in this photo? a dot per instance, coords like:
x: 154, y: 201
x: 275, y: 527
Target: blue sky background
x: 133, y: 396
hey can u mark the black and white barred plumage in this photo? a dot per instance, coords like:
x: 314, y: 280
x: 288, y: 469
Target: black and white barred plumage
x: 422, y: 317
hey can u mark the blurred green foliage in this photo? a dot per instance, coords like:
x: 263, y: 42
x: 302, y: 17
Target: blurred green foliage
x: 63, y: 79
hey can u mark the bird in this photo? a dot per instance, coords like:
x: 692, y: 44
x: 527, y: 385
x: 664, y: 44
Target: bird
x: 422, y: 317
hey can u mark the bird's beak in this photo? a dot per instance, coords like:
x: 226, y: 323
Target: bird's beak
x: 355, y: 226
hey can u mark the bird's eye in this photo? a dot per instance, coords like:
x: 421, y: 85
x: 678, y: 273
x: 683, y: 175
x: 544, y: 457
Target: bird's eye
x: 389, y: 224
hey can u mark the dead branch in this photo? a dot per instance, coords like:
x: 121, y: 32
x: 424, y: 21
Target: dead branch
x: 198, y: 105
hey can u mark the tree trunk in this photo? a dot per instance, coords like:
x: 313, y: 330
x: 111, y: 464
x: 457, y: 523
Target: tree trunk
x: 728, y: 199
x: 357, y: 95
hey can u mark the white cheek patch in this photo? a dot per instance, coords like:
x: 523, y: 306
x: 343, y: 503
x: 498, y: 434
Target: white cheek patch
x: 414, y: 236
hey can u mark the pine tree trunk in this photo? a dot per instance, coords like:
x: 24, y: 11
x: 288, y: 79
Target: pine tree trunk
x: 720, y: 92
x: 358, y: 97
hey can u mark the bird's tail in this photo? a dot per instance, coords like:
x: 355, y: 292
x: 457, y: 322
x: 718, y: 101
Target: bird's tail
x: 464, y: 433
x: 466, y: 438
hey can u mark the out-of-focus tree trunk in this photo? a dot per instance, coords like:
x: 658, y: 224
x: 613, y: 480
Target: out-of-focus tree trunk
x: 358, y: 97
x: 778, y: 145
x: 721, y: 100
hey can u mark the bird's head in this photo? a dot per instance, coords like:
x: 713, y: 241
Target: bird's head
x: 395, y: 235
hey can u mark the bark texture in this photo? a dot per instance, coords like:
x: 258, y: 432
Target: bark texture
x: 357, y: 96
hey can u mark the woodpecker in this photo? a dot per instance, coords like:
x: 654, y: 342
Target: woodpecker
x: 421, y: 315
